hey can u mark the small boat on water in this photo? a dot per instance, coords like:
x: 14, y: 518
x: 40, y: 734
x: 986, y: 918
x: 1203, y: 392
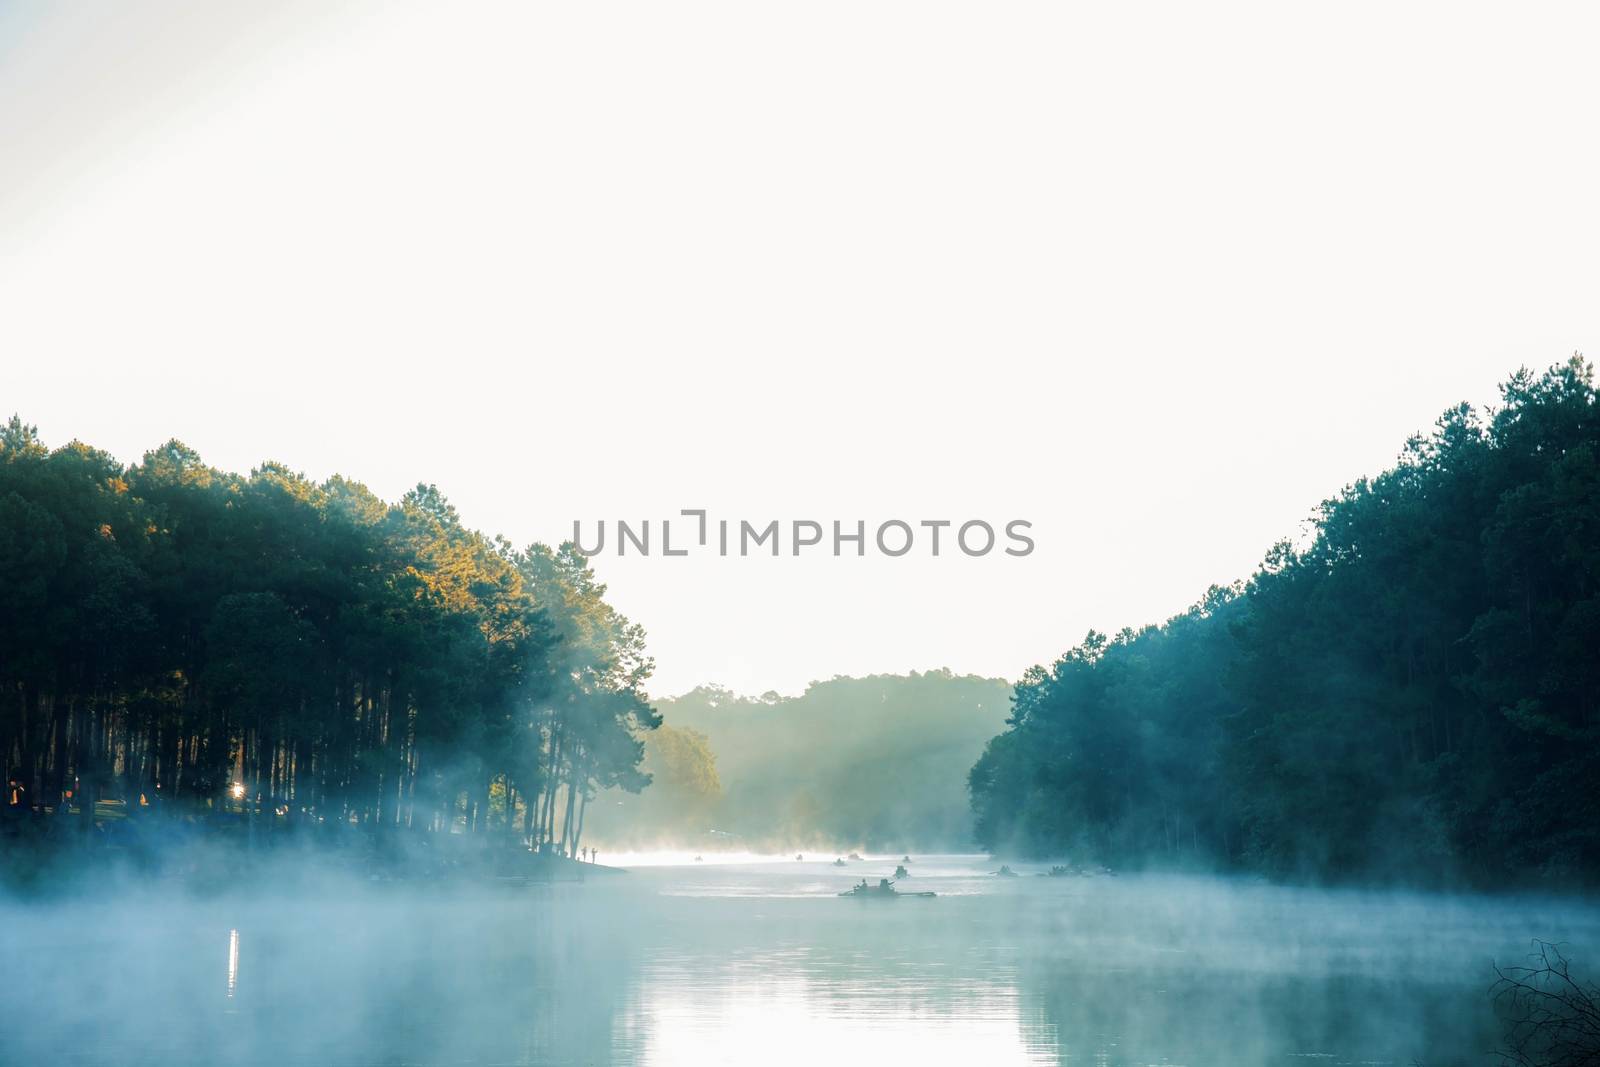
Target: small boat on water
x: 855, y: 856
x: 885, y: 888
x: 838, y: 863
x: 1005, y: 872
x: 901, y: 872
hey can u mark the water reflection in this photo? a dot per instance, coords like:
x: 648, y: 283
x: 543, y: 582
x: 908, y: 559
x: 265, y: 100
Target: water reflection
x: 762, y: 962
x: 857, y: 1002
x: 786, y: 1022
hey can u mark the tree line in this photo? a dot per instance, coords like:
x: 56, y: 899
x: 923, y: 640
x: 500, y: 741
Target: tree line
x: 876, y: 763
x: 177, y: 637
x: 1412, y: 692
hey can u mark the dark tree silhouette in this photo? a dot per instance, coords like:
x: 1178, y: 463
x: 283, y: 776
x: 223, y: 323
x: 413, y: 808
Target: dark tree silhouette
x: 1551, y: 1018
x: 1412, y: 692
x: 180, y: 640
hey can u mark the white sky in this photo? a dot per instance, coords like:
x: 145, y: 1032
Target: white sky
x: 1155, y: 277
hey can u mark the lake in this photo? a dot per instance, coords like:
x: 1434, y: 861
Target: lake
x: 760, y: 961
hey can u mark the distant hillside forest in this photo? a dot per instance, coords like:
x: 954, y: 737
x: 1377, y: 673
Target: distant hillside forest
x: 1413, y: 693
x: 877, y: 763
x: 179, y: 638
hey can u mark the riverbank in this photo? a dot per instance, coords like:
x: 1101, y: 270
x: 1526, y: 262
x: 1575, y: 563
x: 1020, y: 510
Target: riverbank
x: 56, y: 853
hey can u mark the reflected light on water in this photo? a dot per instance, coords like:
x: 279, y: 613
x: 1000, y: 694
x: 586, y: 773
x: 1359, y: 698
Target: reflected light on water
x: 685, y: 858
x: 233, y: 961
x: 788, y: 1022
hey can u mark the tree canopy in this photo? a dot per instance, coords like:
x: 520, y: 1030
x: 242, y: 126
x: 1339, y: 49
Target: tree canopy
x: 1415, y: 691
x: 172, y: 635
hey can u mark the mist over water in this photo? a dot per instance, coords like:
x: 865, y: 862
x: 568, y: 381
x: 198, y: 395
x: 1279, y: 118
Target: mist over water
x: 761, y: 961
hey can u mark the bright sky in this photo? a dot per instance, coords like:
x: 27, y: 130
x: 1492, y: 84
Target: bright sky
x: 1157, y: 278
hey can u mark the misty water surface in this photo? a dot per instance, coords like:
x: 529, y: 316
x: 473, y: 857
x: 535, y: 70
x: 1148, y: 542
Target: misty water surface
x: 761, y: 962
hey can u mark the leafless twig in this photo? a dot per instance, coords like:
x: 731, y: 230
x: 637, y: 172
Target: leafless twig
x: 1551, y: 1018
